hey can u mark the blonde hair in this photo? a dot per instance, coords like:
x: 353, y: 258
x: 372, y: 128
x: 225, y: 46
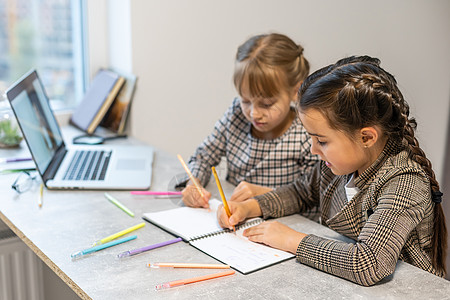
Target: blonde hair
x: 269, y: 64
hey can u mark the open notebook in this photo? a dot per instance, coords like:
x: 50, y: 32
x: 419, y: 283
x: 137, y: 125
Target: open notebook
x: 200, y: 228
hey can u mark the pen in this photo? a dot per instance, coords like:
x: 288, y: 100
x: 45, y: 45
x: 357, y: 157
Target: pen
x: 101, y: 247
x: 120, y: 233
x: 143, y: 249
x: 41, y: 192
x: 191, y: 177
x: 119, y: 205
x: 192, y: 280
x: 155, y: 193
x: 18, y: 159
x: 190, y: 266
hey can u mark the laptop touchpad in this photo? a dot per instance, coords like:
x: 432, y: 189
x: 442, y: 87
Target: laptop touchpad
x: 130, y: 164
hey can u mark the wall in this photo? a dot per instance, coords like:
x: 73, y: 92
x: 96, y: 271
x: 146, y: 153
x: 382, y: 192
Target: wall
x: 183, y: 53
x: 445, y: 188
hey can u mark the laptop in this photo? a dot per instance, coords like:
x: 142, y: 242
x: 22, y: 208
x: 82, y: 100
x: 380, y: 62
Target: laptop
x: 99, y: 167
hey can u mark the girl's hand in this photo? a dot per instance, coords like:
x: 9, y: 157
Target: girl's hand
x: 276, y: 235
x: 240, y: 211
x: 192, y: 198
x: 246, y: 190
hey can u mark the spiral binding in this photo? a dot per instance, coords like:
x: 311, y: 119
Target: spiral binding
x: 226, y: 230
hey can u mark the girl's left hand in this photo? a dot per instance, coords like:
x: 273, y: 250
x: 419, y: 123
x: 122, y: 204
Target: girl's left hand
x: 276, y: 235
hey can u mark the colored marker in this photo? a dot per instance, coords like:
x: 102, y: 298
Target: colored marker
x: 101, y: 247
x: 118, y: 234
x: 119, y: 205
x: 155, y: 193
x: 188, y: 266
x: 192, y: 280
x: 11, y: 160
x: 143, y: 249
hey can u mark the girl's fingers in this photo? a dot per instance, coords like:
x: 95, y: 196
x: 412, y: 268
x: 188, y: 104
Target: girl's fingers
x: 192, y: 198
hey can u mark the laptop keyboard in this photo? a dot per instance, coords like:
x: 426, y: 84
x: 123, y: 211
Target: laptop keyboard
x: 88, y: 165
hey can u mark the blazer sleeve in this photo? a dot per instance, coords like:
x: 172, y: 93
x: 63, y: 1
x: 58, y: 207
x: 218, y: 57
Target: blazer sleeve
x: 401, y: 205
x: 300, y: 196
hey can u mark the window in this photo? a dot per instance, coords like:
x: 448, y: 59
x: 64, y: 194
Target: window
x: 46, y: 35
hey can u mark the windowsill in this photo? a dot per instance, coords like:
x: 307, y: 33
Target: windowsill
x: 63, y: 117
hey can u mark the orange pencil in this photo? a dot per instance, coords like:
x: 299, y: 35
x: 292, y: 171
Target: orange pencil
x: 192, y: 280
x: 191, y: 177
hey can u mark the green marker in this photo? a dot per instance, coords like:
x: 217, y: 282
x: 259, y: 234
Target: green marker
x: 119, y: 205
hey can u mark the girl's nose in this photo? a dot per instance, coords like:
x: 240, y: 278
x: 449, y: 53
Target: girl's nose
x: 255, y: 113
x: 314, y: 148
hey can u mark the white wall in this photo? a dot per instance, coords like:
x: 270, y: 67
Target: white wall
x: 183, y: 53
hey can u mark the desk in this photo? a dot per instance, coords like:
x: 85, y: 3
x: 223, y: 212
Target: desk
x: 71, y: 220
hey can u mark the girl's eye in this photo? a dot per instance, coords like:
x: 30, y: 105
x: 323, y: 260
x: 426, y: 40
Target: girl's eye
x: 321, y: 143
x: 266, y: 104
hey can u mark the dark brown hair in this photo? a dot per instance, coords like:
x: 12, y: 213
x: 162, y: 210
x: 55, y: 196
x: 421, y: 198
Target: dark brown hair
x: 270, y: 64
x: 356, y: 92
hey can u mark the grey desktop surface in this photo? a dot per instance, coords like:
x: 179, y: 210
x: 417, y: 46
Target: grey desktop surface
x: 70, y: 221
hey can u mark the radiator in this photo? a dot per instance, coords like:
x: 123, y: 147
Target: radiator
x: 21, y: 276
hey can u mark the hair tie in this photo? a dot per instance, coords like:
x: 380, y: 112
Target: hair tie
x: 437, y: 197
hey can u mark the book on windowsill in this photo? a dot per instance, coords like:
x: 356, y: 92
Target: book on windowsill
x: 14, y: 167
x: 117, y: 115
x: 102, y: 92
x: 199, y: 227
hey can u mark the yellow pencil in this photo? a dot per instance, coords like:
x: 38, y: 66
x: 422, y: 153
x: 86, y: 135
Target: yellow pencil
x: 222, y: 195
x: 120, y: 233
x: 191, y: 177
x: 41, y: 194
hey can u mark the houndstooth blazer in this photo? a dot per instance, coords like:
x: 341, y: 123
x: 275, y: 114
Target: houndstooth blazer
x: 390, y: 218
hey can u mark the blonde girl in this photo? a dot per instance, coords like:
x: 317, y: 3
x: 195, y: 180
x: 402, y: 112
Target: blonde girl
x: 260, y: 135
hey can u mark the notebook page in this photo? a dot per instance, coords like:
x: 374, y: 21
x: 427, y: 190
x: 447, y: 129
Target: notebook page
x: 187, y: 222
x: 240, y: 253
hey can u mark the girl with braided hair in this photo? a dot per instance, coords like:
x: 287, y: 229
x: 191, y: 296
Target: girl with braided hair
x: 374, y: 183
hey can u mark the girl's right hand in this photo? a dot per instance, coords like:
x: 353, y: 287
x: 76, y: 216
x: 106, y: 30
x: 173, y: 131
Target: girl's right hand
x: 246, y: 190
x: 192, y: 198
x: 240, y: 211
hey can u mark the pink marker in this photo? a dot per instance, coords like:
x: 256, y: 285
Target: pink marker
x: 155, y: 193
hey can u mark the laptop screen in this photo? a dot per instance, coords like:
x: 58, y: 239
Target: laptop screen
x: 31, y: 107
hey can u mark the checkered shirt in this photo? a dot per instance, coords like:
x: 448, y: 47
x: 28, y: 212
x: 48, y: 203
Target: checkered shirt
x: 390, y: 218
x: 270, y: 163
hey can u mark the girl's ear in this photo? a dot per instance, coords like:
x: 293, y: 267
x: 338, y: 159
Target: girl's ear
x: 294, y: 96
x: 369, y: 136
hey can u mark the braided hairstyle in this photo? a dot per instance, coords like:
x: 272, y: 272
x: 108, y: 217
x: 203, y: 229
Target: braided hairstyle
x: 356, y: 92
x: 270, y: 64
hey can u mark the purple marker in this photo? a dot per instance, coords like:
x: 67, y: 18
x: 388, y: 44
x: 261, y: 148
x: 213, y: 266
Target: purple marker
x: 10, y: 160
x: 140, y: 250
